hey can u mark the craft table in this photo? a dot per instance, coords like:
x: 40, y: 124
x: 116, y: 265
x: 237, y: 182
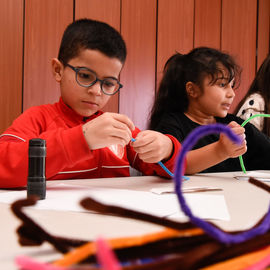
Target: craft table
x: 246, y: 204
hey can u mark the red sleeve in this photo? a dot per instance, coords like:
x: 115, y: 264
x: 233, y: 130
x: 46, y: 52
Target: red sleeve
x: 64, y: 147
x: 151, y: 168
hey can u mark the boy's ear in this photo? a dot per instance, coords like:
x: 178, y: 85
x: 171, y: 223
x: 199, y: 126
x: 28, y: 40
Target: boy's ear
x: 57, y: 69
x: 192, y: 89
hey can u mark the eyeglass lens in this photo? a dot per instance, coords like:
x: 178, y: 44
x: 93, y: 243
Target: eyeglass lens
x: 87, y: 78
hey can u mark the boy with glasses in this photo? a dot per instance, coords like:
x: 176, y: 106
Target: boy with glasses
x: 81, y: 140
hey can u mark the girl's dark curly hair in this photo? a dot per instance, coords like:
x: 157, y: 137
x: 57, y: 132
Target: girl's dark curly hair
x: 191, y: 67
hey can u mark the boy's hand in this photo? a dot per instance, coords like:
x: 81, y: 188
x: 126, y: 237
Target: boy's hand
x: 108, y: 129
x: 230, y: 149
x: 152, y: 146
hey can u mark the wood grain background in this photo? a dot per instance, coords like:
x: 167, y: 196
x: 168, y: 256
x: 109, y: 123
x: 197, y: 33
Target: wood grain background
x: 31, y: 31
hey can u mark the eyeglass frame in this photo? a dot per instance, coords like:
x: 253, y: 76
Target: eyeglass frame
x: 77, y: 69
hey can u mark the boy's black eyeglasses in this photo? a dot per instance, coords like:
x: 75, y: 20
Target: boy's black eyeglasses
x: 86, y: 78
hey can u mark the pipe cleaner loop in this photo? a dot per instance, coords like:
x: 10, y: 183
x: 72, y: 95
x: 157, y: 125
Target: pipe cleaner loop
x: 243, y: 124
x: 213, y: 231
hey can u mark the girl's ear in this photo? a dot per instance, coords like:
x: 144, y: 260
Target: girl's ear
x: 192, y: 89
x: 57, y: 69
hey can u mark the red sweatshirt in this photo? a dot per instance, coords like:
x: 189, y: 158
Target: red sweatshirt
x: 68, y: 155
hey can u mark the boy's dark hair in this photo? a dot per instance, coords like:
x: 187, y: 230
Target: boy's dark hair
x: 260, y: 85
x: 192, y: 67
x: 94, y: 35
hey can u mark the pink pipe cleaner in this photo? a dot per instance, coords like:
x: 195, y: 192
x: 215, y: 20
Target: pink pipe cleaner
x: 262, y: 264
x: 105, y: 256
x: 28, y: 263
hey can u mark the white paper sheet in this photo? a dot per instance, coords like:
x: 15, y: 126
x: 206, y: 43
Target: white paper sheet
x: 66, y: 198
x: 170, y: 190
x: 262, y: 176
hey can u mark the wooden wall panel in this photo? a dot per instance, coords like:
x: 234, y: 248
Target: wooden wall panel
x: 138, y: 27
x: 103, y: 10
x: 263, y: 31
x: 175, y: 30
x: 207, y: 30
x: 11, y: 55
x: 45, y: 22
x: 153, y: 30
x: 239, y: 38
x: 107, y: 11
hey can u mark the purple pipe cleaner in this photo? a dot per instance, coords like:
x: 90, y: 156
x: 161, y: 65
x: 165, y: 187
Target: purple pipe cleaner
x: 213, y: 231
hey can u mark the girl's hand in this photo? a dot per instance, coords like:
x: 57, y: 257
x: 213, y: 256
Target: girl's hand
x: 108, y: 129
x: 229, y: 148
x: 152, y: 146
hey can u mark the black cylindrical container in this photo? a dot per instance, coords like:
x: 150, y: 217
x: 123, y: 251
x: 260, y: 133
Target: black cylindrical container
x: 36, y: 181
